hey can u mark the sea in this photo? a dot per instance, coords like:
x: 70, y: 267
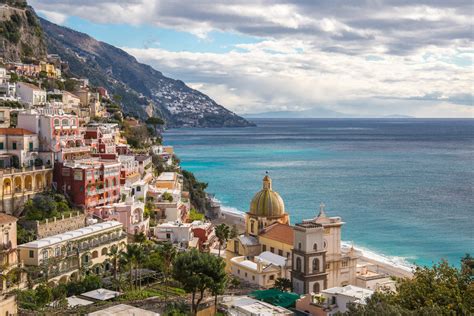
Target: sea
x: 403, y: 187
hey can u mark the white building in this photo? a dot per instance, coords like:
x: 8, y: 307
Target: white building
x: 30, y: 94
x: 176, y: 233
x: 262, y: 270
x: 333, y: 301
x: 246, y: 306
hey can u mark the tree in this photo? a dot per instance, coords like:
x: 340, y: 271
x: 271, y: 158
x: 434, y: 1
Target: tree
x: 282, y: 284
x: 114, y: 256
x: 199, y: 272
x: 44, y: 295
x: 439, y: 290
x: 222, y: 232
x: 167, y: 254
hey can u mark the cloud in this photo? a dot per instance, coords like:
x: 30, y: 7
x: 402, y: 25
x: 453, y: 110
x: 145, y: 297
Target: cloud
x: 54, y: 17
x: 365, y: 57
x: 291, y: 75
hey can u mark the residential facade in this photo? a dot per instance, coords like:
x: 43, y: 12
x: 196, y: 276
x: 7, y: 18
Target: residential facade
x: 74, y: 252
x: 30, y: 94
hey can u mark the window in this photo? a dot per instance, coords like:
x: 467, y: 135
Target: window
x: 65, y: 122
x: 168, y: 236
x: 272, y: 250
x: 315, y: 247
x: 14, y: 145
x: 32, y: 254
x: 316, y: 288
x: 325, y: 244
x: 238, y: 271
x: 236, y: 246
x: 328, y: 265
x: 272, y: 277
x: 139, y: 188
x: 280, y: 252
x: 345, y: 263
x: 56, y: 122
x: 253, y: 277
x: 264, y: 247
x: 287, y: 254
x: 299, y: 246
x: 57, y: 251
x: 1, y: 145
x: 31, y: 146
x: 298, y: 264
x: 245, y: 274
x: 315, y: 265
x: 45, y: 254
x: 252, y: 227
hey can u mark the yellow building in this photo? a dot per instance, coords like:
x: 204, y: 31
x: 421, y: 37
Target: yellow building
x: 62, y: 257
x: 263, y: 253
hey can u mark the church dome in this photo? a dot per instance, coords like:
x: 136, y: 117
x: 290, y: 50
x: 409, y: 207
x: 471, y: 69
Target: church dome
x: 267, y: 203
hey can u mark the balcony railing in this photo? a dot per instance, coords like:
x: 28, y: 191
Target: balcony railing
x: 24, y: 169
x: 6, y: 246
x: 75, y: 149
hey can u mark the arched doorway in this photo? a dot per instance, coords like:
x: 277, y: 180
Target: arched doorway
x: 39, y: 182
x: 18, y: 185
x: 7, y: 187
x: 29, y: 183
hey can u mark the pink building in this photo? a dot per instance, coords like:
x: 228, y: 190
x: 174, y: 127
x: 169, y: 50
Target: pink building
x: 58, y: 132
x: 130, y: 213
x: 101, y: 138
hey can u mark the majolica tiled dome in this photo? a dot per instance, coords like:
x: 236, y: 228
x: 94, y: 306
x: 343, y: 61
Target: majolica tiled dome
x: 267, y: 203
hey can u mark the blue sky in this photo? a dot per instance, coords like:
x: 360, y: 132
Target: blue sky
x: 360, y: 58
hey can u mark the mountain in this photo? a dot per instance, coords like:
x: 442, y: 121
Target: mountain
x: 140, y: 85
x: 312, y: 113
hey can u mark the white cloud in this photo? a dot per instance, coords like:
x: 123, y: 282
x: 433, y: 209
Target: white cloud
x: 368, y: 58
x: 54, y: 17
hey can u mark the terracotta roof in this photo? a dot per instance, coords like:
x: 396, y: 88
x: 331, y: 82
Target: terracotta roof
x: 279, y: 232
x: 15, y: 131
x: 5, y: 219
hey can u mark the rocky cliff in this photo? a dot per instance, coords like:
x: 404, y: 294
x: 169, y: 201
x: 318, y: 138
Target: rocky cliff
x: 21, y: 36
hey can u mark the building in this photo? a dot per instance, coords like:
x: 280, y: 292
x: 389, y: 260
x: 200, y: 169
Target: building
x: 262, y: 270
x: 5, y: 117
x: 129, y: 172
x: 7, y: 89
x: 8, y: 253
x: 341, y: 266
x: 309, y: 258
x: 169, y: 181
x: 145, y: 167
x: 204, y: 231
x: 263, y: 253
x: 57, y: 131
x: 177, y: 233
x: 246, y: 306
x: 70, y: 102
x: 55, y: 225
x: 19, y: 185
x: 267, y: 227
x: 130, y: 213
x: 30, y: 94
x: 102, y: 139
x: 79, y: 251
x: 370, y: 277
x: 89, y: 182
x: 333, y: 301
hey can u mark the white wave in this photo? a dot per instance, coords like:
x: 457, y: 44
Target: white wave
x: 232, y: 210
x: 395, y: 261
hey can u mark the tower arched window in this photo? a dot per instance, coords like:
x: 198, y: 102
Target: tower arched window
x: 252, y: 227
x: 315, y: 247
x: 315, y: 265
x: 298, y: 264
x: 316, y: 287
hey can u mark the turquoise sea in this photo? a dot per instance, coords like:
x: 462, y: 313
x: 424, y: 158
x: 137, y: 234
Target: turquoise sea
x: 404, y: 187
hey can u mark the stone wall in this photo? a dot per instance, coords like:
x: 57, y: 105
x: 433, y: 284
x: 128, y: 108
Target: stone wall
x: 55, y: 226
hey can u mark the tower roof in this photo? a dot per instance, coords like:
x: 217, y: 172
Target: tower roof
x: 266, y: 202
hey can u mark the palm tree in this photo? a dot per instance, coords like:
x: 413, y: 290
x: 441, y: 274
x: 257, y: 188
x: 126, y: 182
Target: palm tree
x: 222, y: 232
x: 128, y: 257
x: 114, y: 255
x: 168, y: 254
x: 282, y: 284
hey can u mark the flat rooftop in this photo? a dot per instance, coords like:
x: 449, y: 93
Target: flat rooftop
x: 123, y: 310
x: 167, y: 176
x: 73, y: 234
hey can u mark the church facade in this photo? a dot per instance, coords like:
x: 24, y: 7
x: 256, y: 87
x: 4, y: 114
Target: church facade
x: 308, y: 253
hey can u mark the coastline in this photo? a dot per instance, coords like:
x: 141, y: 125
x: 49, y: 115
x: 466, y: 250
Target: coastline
x: 385, y: 264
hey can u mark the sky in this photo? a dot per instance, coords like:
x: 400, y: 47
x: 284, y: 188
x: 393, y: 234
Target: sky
x: 360, y: 58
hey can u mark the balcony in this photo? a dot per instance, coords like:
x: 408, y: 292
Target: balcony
x: 6, y: 246
x: 10, y: 171
x: 78, y: 149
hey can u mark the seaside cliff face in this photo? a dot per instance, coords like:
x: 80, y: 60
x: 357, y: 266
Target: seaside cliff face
x: 142, y: 88
x: 21, y: 35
